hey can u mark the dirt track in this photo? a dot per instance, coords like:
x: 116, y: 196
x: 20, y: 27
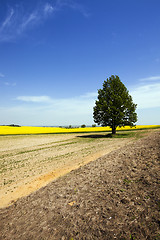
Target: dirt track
x: 114, y: 197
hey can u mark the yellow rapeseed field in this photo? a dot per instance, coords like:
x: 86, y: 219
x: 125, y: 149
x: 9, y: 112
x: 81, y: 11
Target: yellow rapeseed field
x: 11, y: 130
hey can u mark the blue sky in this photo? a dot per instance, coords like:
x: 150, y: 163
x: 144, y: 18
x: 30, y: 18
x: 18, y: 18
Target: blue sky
x: 56, y: 54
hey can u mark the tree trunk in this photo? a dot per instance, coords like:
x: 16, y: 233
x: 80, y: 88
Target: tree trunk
x: 113, y: 130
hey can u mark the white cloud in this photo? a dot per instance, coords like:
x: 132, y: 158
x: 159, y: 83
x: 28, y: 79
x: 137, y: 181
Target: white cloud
x: 147, y: 96
x: 7, y: 21
x: 61, y: 101
x: 7, y: 27
x: 29, y: 20
x: 36, y: 99
x: 19, y: 20
x: 44, y: 110
x: 75, y: 110
x: 90, y: 95
x: 48, y: 8
x: 153, y: 78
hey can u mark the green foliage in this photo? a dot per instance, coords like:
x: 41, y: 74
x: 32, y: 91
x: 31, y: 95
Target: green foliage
x: 83, y: 126
x: 114, y: 106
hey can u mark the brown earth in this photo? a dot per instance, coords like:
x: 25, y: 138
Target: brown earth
x: 114, y: 197
x: 28, y: 163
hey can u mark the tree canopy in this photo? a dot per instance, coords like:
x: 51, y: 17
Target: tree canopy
x: 114, y: 106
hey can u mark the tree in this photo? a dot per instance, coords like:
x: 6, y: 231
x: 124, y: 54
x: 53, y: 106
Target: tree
x: 114, y: 106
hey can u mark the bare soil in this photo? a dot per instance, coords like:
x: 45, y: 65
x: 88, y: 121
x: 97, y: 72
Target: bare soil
x: 29, y: 162
x: 113, y: 197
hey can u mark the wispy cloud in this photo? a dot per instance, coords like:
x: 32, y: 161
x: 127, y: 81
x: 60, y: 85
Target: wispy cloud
x: 44, y: 110
x: 8, y: 26
x: 152, y: 78
x: 35, y: 99
x: 147, y: 93
x: 19, y: 19
x: 73, y: 5
x: 147, y: 96
x: 48, y: 9
x: 7, y: 21
x: 60, y: 102
x: 28, y: 21
x: 89, y: 95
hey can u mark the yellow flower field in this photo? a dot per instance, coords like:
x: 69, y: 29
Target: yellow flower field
x: 10, y: 130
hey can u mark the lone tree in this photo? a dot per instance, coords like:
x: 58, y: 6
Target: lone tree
x: 114, y: 106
